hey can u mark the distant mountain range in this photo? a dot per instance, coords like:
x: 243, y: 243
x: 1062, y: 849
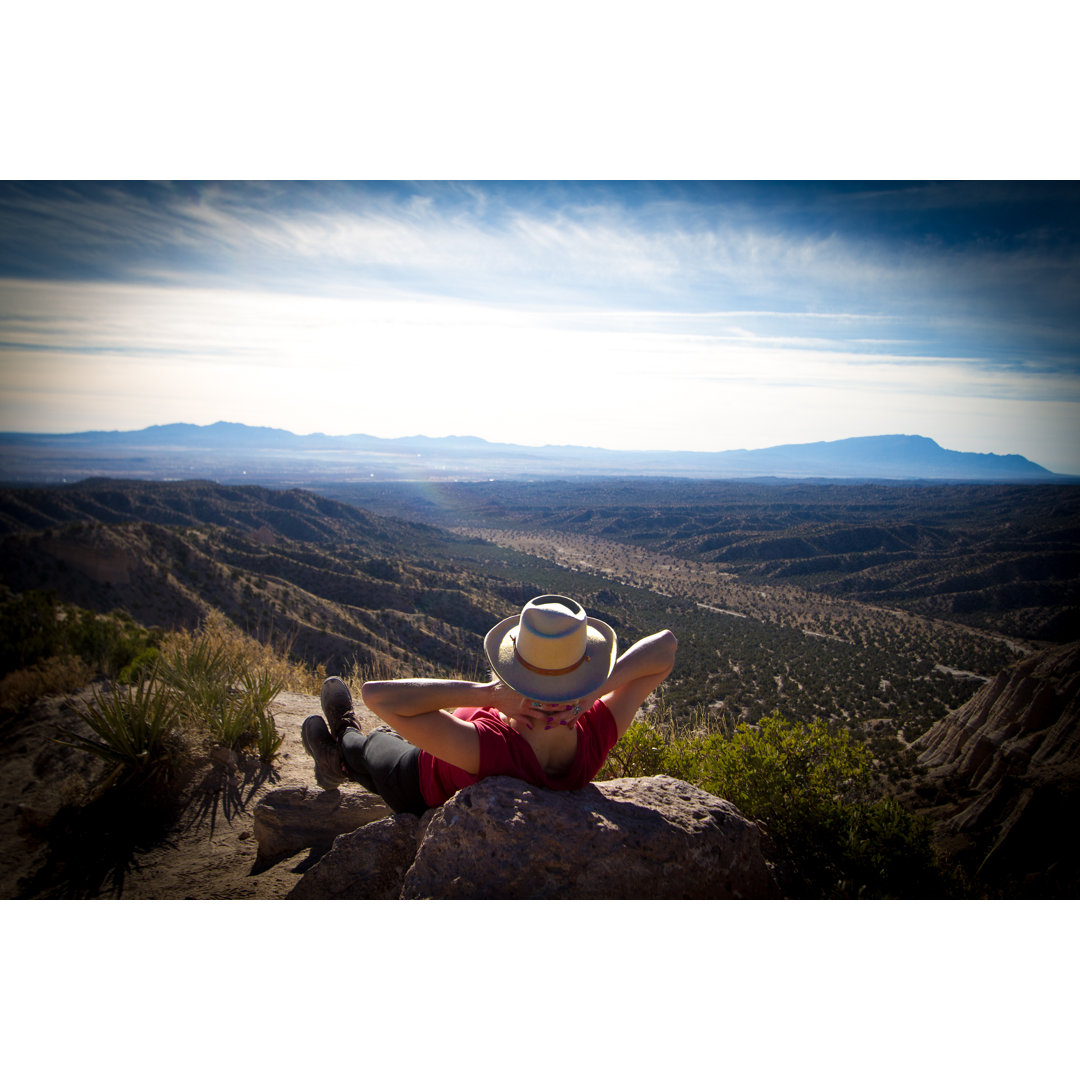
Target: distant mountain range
x: 237, y: 453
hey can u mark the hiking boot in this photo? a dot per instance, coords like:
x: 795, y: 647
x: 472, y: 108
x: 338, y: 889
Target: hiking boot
x: 323, y: 747
x: 337, y: 707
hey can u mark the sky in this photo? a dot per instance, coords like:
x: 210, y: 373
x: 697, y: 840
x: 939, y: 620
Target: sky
x: 628, y: 315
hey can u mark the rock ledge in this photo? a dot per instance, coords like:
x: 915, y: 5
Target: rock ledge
x: 645, y: 838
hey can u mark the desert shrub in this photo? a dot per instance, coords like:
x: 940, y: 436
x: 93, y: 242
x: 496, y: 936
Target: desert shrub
x: 108, y: 642
x: 52, y: 675
x: 812, y: 788
x: 29, y: 629
x: 141, y: 665
x: 887, y: 850
x: 642, y: 751
x: 666, y: 740
x: 34, y: 627
x: 796, y: 776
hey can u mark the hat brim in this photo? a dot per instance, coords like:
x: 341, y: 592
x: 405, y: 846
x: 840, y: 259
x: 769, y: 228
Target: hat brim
x: 600, y: 649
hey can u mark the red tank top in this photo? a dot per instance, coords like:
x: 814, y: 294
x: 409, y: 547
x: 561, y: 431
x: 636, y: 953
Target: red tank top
x: 503, y: 752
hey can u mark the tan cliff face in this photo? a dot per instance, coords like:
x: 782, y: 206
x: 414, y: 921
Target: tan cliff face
x: 1011, y: 759
x: 1027, y: 718
x: 105, y: 563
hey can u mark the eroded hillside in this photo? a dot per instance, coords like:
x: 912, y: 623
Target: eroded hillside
x: 338, y: 586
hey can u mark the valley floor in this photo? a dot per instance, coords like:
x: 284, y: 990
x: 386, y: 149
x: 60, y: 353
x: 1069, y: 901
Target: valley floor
x: 812, y: 654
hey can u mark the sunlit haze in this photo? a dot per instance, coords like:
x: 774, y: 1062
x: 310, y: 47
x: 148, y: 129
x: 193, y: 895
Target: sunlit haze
x: 645, y: 316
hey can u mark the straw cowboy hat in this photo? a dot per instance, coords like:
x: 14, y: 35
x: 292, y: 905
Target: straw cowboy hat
x: 552, y: 651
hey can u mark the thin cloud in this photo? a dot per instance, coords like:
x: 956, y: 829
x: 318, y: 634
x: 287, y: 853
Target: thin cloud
x: 491, y: 246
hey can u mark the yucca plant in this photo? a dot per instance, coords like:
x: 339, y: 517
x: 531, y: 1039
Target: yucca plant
x: 243, y: 707
x: 199, y: 672
x: 267, y: 738
x: 134, y: 728
x: 259, y: 690
x: 226, y: 717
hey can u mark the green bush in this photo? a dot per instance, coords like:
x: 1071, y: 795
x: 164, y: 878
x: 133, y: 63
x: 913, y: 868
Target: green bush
x: 812, y: 788
x: 799, y: 777
x: 141, y: 665
x: 642, y: 751
x: 108, y: 642
x: 888, y: 851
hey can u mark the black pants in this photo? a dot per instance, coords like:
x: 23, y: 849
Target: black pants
x: 387, y: 765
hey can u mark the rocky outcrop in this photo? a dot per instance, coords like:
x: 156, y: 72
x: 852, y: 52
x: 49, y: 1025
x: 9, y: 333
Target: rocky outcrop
x: 1010, y: 761
x: 642, y: 838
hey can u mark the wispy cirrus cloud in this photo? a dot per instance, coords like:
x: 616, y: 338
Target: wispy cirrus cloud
x: 681, y: 252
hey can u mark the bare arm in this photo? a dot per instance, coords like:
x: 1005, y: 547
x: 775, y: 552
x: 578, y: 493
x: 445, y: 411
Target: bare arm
x: 637, y: 673
x: 418, y: 709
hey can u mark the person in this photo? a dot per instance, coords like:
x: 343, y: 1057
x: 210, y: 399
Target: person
x: 556, y: 704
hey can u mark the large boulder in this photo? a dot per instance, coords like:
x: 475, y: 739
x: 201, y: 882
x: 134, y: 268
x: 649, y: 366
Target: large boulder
x: 367, y: 864
x: 501, y: 839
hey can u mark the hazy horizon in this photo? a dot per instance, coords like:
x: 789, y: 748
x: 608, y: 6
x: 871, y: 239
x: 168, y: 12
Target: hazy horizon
x: 637, y: 316
x: 423, y: 435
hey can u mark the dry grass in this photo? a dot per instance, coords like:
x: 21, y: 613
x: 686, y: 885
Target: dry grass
x: 53, y: 675
x: 242, y: 652
x: 674, y: 722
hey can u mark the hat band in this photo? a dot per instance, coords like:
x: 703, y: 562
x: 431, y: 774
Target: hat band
x: 547, y: 671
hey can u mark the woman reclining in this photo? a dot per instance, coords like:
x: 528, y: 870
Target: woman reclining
x: 556, y: 705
